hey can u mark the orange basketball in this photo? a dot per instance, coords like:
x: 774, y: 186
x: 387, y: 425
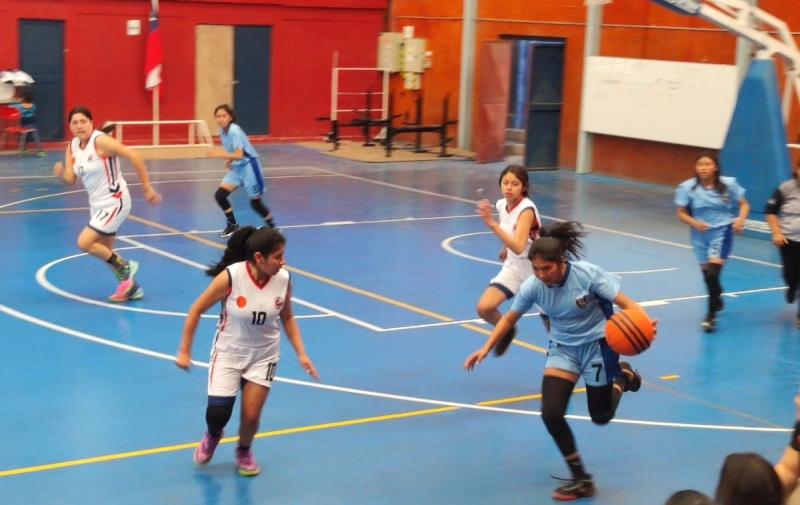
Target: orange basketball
x: 630, y: 332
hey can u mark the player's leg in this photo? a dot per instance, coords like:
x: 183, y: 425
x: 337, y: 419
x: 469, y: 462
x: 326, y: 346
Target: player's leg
x: 504, y: 286
x: 258, y: 377
x: 560, y: 375
x: 224, y: 380
x: 254, y: 183
x: 720, y: 243
x: 606, y: 379
x: 231, y: 181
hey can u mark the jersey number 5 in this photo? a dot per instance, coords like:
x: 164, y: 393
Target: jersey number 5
x: 259, y: 317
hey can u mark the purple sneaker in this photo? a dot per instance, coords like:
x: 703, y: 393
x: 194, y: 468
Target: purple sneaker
x: 246, y: 463
x: 205, y: 451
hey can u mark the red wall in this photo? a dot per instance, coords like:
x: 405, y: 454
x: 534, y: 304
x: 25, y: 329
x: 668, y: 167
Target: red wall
x: 104, y: 67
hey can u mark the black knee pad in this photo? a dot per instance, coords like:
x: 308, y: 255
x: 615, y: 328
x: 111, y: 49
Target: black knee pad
x: 221, y: 196
x: 218, y: 413
x: 259, y: 207
x: 602, y: 419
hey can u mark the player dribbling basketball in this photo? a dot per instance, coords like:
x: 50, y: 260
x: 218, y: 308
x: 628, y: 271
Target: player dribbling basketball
x: 577, y: 298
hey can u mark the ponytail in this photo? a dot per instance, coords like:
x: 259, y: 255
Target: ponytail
x: 244, y: 244
x: 234, y: 253
x: 558, y: 241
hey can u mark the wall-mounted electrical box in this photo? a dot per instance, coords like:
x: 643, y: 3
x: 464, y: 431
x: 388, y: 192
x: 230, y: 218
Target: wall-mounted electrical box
x: 389, y: 47
x: 414, y: 55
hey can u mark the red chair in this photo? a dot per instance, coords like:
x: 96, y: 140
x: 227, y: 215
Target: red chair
x: 12, y: 125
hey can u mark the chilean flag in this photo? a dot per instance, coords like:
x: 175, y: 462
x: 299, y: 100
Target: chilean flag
x: 154, y: 54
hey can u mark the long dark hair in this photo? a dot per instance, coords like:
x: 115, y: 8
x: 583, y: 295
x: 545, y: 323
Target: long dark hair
x: 689, y: 497
x: 747, y: 478
x: 558, y: 241
x: 80, y: 109
x: 227, y: 108
x: 520, y: 172
x: 244, y: 244
x: 720, y: 186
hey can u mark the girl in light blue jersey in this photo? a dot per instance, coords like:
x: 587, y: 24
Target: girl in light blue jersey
x: 714, y: 207
x: 245, y: 170
x: 577, y: 298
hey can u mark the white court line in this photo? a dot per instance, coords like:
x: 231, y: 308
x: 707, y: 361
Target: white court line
x: 446, y: 245
x: 551, y: 218
x: 51, y: 195
x: 294, y: 300
x: 412, y: 399
x: 448, y: 323
x: 651, y: 303
x: 313, y: 225
x: 41, y: 278
x: 173, y: 172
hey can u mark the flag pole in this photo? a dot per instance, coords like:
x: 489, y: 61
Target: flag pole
x: 156, y: 95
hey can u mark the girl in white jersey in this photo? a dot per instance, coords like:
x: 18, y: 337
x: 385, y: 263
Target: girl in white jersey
x: 517, y: 227
x: 577, y: 297
x: 256, y: 292
x: 92, y: 157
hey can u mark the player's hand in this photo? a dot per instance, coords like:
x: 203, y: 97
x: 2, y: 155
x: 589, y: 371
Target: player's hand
x: 779, y: 240
x: 701, y: 226
x: 228, y: 163
x: 152, y: 196
x: 655, y: 328
x: 58, y: 169
x: 484, y: 209
x: 797, y: 403
x: 738, y: 225
x: 183, y: 360
x: 503, y: 254
x: 475, y: 359
x: 308, y: 366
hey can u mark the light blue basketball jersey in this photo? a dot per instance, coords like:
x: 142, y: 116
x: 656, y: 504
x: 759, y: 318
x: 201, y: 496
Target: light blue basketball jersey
x: 708, y: 205
x: 578, y: 307
x: 235, y: 139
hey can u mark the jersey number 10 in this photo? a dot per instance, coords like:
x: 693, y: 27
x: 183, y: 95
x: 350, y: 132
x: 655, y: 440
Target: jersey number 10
x: 259, y: 317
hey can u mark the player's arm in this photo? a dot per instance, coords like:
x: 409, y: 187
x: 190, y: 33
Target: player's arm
x: 109, y: 146
x: 771, y: 212
x: 65, y: 171
x: 236, y: 155
x: 788, y: 468
x: 684, y: 216
x: 624, y: 302
x: 293, y: 334
x: 503, y: 326
x: 216, y: 292
x: 744, y: 211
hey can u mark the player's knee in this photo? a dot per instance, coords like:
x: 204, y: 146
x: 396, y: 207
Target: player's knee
x: 221, y: 196
x: 602, y: 418
x: 553, y: 420
x: 219, y: 412
x: 84, y: 243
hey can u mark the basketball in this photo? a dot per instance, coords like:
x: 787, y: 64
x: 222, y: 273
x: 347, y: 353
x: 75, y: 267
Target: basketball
x: 630, y: 332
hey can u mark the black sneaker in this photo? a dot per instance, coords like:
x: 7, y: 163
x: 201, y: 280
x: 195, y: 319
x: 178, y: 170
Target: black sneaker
x: 634, y: 377
x: 502, y: 346
x: 709, y: 324
x: 229, y: 230
x: 575, y: 489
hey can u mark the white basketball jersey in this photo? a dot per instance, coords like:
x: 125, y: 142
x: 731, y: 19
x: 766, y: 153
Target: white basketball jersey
x: 509, y: 219
x: 100, y: 175
x: 249, y: 321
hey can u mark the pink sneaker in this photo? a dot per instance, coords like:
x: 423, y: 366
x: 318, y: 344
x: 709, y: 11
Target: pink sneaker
x: 205, y: 451
x: 124, y: 291
x: 246, y: 463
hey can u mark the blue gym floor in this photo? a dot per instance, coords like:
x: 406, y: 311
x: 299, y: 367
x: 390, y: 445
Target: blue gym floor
x: 388, y: 262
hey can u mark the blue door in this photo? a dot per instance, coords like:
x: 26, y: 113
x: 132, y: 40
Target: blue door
x: 251, y: 70
x: 41, y: 54
x: 544, y: 105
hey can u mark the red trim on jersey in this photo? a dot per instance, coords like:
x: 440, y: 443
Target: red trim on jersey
x: 250, y: 274
x: 515, y: 206
x: 211, y: 371
x: 112, y: 216
x: 223, y: 317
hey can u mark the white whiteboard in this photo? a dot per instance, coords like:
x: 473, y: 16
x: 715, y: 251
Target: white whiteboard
x: 665, y: 101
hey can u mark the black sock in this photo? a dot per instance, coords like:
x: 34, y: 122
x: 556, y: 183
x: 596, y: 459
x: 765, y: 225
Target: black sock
x: 115, y: 261
x: 270, y: 222
x: 242, y: 448
x: 230, y: 218
x: 576, y: 467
